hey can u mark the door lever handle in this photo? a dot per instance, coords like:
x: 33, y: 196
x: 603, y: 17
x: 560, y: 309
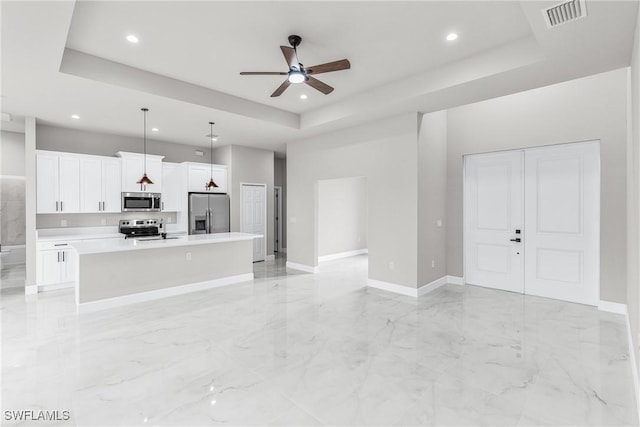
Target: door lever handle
x: 517, y: 240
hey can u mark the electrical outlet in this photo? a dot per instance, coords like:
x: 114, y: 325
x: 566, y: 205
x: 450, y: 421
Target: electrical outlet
x: 293, y: 220
x: 439, y: 223
x: 392, y: 265
x: 433, y: 263
x: 188, y: 256
x: 63, y: 223
x: 103, y: 221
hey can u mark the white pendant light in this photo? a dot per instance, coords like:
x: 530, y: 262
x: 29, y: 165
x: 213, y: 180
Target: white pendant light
x: 145, y: 179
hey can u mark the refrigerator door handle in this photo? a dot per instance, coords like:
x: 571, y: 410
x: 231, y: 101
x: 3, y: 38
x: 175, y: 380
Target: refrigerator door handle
x: 207, y: 224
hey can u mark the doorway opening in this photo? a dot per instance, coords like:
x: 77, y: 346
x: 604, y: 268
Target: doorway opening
x: 342, y: 218
x: 278, y: 220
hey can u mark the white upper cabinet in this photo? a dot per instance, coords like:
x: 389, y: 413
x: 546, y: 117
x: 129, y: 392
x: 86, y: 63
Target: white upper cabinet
x: 133, y: 168
x: 99, y: 184
x: 47, y: 183
x: 172, y: 192
x: 57, y: 182
x: 111, y: 185
x: 199, y: 175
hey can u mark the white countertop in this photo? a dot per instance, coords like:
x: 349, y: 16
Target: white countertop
x: 105, y: 245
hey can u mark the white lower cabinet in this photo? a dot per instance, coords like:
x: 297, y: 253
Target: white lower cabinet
x: 56, y: 264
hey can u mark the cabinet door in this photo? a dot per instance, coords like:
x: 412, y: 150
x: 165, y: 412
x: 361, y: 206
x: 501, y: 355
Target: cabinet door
x: 90, y: 184
x: 49, y: 273
x: 69, y: 173
x: 154, y: 172
x: 68, y: 266
x: 220, y: 178
x: 47, y: 195
x: 132, y: 170
x: 199, y: 176
x: 171, y: 188
x: 111, y: 185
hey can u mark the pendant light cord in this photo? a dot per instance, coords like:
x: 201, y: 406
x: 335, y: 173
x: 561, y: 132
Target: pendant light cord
x: 144, y: 133
x: 211, y: 148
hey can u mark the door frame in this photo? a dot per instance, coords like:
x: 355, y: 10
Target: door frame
x: 277, y: 194
x: 266, y: 202
x: 524, y: 150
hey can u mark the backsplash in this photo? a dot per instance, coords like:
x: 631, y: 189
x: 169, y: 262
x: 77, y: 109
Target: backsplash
x: 97, y: 220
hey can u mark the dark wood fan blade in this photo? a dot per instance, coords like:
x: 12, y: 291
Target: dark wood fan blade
x: 343, y: 64
x: 281, y: 88
x: 262, y: 73
x: 318, y: 85
x: 290, y: 56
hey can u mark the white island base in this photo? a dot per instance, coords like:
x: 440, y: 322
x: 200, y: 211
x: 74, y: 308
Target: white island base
x: 122, y: 272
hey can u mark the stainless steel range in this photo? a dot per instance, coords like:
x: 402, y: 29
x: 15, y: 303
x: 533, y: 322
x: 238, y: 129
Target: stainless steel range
x: 140, y: 228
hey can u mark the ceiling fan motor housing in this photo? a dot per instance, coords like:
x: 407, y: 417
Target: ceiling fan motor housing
x: 295, y: 40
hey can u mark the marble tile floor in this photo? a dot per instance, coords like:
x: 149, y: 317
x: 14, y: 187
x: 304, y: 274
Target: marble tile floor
x: 306, y: 350
x: 12, y: 276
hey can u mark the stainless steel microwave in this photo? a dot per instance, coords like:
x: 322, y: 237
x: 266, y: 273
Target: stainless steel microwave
x: 141, y: 202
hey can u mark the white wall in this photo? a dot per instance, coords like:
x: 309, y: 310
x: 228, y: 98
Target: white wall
x: 590, y: 108
x: 103, y: 144
x: 385, y: 153
x: 342, y: 215
x: 251, y: 166
x: 633, y: 195
x: 12, y: 189
x: 432, y: 197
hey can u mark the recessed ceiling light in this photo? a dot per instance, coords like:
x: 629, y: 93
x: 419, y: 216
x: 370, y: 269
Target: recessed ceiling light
x: 132, y: 39
x: 303, y: 96
x: 452, y: 36
x: 75, y: 116
x: 155, y: 129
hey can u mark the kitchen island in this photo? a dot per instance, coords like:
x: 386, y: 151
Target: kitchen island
x: 114, y: 272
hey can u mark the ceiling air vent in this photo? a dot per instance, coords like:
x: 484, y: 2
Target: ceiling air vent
x: 564, y: 12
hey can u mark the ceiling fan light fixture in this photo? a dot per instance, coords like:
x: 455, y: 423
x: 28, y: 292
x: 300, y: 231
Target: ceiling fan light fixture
x: 297, y: 77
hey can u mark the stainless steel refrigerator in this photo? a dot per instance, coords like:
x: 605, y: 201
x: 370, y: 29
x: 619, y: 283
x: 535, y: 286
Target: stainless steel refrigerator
x: 208, y: 213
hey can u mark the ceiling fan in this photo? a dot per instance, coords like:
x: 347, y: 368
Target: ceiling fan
x: 298, y: 73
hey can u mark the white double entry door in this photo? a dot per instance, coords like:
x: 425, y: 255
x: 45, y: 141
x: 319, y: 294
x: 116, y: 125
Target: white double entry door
x: 532, y: 221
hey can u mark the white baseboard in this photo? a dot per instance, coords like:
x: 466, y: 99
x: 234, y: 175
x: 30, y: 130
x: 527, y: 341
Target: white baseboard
x: 302, y: 267
x: 161, y: 293
x: 342, y: 255
x: 392, y: 287
x: 270, y: 257
x: 432, y: 286
x: 455, y: 280
x: 415, y: 292
x: 612, y: 307
x: 46, y: 288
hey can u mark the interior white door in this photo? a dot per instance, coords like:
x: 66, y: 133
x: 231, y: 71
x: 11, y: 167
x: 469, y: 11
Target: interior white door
x: 493, y: 216
x: 254, y: 217
x: 562, y: 222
